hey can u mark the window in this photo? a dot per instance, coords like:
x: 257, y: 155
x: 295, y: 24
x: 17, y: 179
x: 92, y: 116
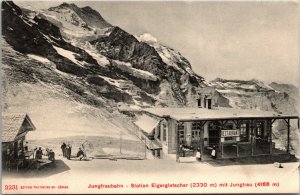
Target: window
x: 159, y: 133
x: 244, y: 132
x: 215, y: 125
x: 228, y: 126
x: 181, y: 133
x: 196, y: 128
x: 195, y: 135
x: 243, y: 129
x: 199, y: 102
x: 259, y: 129
x: 180, y: 127
x: 164, y: 129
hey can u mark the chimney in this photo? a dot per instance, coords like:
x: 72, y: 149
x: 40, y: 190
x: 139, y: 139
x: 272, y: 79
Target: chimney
x: 199, y: 102
x: 208, y: 103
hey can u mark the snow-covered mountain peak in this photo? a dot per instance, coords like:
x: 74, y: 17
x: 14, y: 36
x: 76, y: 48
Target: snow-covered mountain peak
x: 87, y: 14
x: 147, y: 38
x: 83, y: 23
x: 68, y: 5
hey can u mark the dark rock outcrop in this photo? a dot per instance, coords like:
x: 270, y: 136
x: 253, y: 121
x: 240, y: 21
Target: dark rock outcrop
x: 22, y: 36
x: 122, y: 46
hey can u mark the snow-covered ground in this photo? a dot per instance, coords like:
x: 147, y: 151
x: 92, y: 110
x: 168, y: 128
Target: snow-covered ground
x: 78, y: 175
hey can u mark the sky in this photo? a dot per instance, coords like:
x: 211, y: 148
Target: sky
x: 231, y: 40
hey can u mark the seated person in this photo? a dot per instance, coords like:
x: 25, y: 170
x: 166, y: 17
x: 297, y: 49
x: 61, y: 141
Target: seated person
x: 39, y: 153
x: 26, y: 147
x: 51, y: 155
x: 80, y: 154
x: 20, y: 154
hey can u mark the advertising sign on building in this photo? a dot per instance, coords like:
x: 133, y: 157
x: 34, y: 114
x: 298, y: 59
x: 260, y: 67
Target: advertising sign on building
x: 230, y: 133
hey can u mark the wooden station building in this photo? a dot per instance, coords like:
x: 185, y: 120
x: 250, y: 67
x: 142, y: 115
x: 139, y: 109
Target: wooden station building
x: 234, y: 132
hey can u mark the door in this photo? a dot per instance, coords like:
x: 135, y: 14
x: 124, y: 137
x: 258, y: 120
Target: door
x: 214, y: 137
x: 214, y: 130
x: 259, y: 132
x: 196, y: 138
x: 16, y: 149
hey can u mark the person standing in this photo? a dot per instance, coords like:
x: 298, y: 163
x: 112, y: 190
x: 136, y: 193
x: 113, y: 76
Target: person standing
x: 198, y: 154
x: 214, y: 152
x: 68, y: 152
x: 63, y: 149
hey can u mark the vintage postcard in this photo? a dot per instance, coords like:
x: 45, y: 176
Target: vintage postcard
x: 150, y: 97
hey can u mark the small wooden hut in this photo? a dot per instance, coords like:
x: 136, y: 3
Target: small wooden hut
x: 15, y: 126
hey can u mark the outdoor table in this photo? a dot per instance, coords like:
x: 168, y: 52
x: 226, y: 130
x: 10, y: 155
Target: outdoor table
x: 28, y: 154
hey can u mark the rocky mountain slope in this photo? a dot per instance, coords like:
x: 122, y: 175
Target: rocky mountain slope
x: 125, y: 69
x: 253, y: 94
x: 79, y: 84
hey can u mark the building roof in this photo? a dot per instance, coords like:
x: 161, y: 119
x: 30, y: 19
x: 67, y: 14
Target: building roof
x: 146, y: 123
x: 196, y: 114
x: 12, y: 123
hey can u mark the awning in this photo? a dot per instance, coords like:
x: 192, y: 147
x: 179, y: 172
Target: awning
x: 146, y: 123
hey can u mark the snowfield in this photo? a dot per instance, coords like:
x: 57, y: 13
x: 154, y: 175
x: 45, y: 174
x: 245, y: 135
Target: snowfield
x: 91, y: 50
x: 135, y: 72
x: 39, y: 58
x: 68, y: 54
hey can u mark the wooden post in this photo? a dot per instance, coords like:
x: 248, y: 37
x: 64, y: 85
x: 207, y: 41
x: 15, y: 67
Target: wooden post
x: 271, y: 145
x: 220, y: 134
x: 237, y: 123
x: 121, y: 142
x: 288, y: 138
x: 237, y: 149
x: 177, y: 142
x: 222, y: 152
x: 145, y: 150
x: 252, y: 135
x: 201, y: 140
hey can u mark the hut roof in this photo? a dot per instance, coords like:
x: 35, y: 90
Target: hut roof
x: 12, y: 124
